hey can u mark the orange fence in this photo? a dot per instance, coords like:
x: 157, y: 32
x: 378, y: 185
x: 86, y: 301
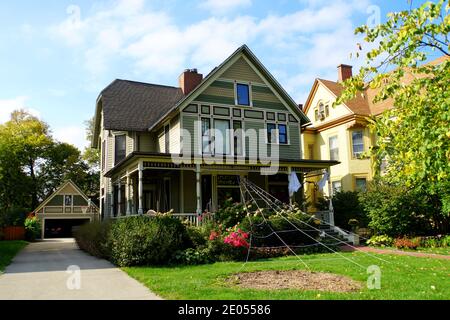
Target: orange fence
x: 13, y: 233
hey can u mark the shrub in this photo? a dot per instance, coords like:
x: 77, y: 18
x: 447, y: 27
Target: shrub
x: 380, y: 241
x: 230, y: 214
x: 395, y: 210
x: 13, y: 217
x: 93, y: 238
x: 147, y: 240
x: 197, y: 235
x: 32, y: 228
x: 405, y: 243
x: 292, y: 226
x: 435, y: 242
x: 346, y: 206
x: 192, y: 256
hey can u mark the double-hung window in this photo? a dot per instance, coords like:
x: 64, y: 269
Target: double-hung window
x: 271, y: 133
x: 282, y: 134
x: 357, y: 143
x: 277, y: 133
x: 167, y: 138
x: 103, y: 155
x: 334, y: 148
x: 242, y: 94
x: 361, y: 184
x: 221, y: 137
x: 206, y: 135
x: 120, y: 148
x: 238, y: 138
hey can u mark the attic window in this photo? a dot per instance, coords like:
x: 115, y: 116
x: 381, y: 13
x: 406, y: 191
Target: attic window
x: 242, y: 94
x: 322, y: 111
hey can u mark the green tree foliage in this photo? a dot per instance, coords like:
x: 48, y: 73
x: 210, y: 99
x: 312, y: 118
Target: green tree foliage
x: 33, y: 164
x: 346, y: 206
x: 396, y: 210
x: 414, y: 136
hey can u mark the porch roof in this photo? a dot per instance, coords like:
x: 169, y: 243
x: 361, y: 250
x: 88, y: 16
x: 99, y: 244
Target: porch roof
x: 166, y: 162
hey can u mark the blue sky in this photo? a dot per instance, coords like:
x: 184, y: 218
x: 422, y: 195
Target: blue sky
x: 56, y: 56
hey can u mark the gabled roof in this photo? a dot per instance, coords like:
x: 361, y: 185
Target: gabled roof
x: 357, y: 105
x: 244, y: 50
x: 363, y: 103
x: 136, y: 106
x: 68, y: 182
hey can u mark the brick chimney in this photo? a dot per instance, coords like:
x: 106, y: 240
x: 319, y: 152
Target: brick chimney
x: 189, y: 80
x: 344, y: 72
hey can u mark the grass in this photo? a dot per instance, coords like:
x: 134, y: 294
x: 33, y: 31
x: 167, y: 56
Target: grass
x: 402, y: 277
x: 8, y: 249
x: 438, y: 250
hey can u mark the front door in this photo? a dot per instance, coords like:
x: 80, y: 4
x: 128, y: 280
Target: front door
x: 148, y: 201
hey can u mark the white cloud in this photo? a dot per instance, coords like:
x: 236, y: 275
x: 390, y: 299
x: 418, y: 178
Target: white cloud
x: 7, y: 106
x: 75, y: 135
x: 307, y: 43
x: 224, y: 6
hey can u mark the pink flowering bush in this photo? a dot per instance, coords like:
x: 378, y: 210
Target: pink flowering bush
x: 237, y: 239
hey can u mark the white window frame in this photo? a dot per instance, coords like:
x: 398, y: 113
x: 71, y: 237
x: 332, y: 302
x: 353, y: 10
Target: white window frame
x: 329, y: 146
x: 250, y: 95
x: 357, y: 155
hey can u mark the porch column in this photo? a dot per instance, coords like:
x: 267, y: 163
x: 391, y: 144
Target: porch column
x: 330, y: 206
x: 111, y: 212
x: 199, y: 190
x: 141, y: 187
x: 119, y: 198
x: 289, y: 181
x: 127, y: 194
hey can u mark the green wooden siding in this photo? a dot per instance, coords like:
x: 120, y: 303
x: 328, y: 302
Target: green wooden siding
x: 189, y: 124
x: 269, y: 105
x: 261, y: 89
x: 220, y: 92
x: 291, y: 151
x: 215, y: 99
x: 223, y: 84
x: 241, y: 70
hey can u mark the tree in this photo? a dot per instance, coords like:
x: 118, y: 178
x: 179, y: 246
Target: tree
x: 33, y: 164
x: 414, y: 136
x: 28, y: 141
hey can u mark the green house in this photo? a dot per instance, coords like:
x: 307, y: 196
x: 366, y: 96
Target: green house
x: 185, y: 149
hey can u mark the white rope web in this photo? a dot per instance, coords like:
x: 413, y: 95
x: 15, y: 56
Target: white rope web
x: 256, y: 193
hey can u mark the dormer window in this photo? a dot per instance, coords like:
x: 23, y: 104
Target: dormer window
x: 242, y: 94
x: 322, y: 111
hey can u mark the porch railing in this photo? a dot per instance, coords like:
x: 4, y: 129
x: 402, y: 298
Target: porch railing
x: 192, y: 218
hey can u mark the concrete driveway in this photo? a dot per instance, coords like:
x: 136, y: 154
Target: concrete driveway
x: 58, y: 270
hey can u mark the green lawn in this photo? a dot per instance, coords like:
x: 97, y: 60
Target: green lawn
x: 8, y: 249
x: 402, y: 277
x: 439, y: 250
x: 443, y: 250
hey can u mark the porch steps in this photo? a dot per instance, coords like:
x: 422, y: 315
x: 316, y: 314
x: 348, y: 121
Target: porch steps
x: 332, y: 235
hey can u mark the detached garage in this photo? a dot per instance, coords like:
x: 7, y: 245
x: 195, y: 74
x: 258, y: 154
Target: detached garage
x: 65, y: 210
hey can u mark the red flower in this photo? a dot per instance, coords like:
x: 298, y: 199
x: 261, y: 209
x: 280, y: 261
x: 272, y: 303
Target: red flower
x: 213, y: 236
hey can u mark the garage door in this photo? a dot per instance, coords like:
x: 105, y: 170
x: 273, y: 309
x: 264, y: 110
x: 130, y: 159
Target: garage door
x: 62, y: 228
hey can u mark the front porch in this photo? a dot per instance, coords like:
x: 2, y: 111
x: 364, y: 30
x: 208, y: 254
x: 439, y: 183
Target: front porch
x: 153, y: 182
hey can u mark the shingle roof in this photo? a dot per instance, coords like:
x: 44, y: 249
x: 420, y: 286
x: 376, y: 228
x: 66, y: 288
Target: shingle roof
x: 359, y: 105
x: 136, y: 106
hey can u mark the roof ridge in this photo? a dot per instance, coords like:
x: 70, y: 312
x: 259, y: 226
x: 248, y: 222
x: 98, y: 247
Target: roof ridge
x: 148, y: 84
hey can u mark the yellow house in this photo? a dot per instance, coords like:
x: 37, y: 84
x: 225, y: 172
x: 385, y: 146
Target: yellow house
x: 340, y: 132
